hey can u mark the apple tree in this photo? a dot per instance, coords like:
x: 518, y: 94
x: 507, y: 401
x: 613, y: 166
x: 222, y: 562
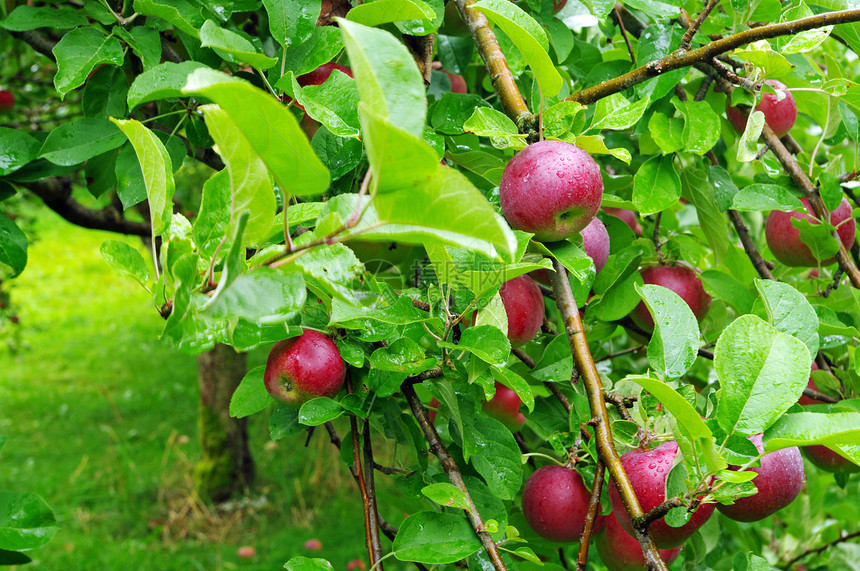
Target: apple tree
x: 418, y: 183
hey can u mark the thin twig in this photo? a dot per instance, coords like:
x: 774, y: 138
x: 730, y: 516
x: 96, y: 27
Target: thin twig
x: 365, y: 500
x: 624, y: 34
x: 619, y: 353
x: 749, y: 246
x: 453, y: 473
x: 691, y: 31
x: 369, y: 465
x: 591, y: 518
x: 824, y: 547
x: 621, y: 404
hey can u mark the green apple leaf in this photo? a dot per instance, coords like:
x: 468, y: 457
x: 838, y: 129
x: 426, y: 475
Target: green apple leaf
x: 25, y: 18
x: 251, y: 188
x: 529, y: 37
x: 292, y: 22
x: 388, y: 11
x: 762, y: 373
x: 270, y: 128
x: 126, y: 260
x: 79, y: 52
x: 789, y: 311
x: 656, y: 185
x: 13, y: 246
x: 157, y: 171
x: 251, y: 395
x: 26, y: 521
x: 233, y: 47
x: 674, y: 345
x: 435, y: 538
x: 74, y: 142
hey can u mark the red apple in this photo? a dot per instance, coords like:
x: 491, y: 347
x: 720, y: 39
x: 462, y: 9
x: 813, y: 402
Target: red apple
x: 555, y: 503
x: 828, y: 460
x: 683, y: 281
x: 626, y: 216
x: 620, y: 551
x: 524, y: 307
x: 356, y: 565
x: 780, y: 479
x: 779, y: 115
x: 648, y: 471
x: 458, y: 84
x: 246, y: 551
x: 505, y: 407
x: 784, y: 241
x: 805, y: 400
x: 557, y: 5
x: 551, y: 189
x: 7, y: 100
x: 302, y: 368
x: 321, y: 74
x: 313, y: 544
x: 433, y: 410
x: 595, y: 242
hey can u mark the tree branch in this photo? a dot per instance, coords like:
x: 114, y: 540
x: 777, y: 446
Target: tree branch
x: 680, y: 58
x: 453, y: 472
x: 39, y: 42
x: 56, y: 193
x: 504, y: 84
x: 822, y: 548
x: 591, y: 517
x: 369, y: 467
x: 362, y: 486
x: 605, y: 446
x: 694, y: 27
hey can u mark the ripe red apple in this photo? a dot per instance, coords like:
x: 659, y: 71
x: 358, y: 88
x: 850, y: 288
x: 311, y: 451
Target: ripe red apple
x: 557, y: 5
x: 246, y: 551
x: 551, y: 189
x: 321, y: 74
x: 524, y: 307
x: 779, y: 115
x: 805, y: 400
x: 829, y: 461
x: 683, y: 281
x: 304, y: 367
x: 555, y: 503
x: 433, y: 409
x: 648, y: 471
x: 620, y: 551
x: 7, y: 100
x: 626, y: 216
x: 595, y: 242
x: 784, y: 241
x: 780, y: 479
x: 505, y: 407
x: 458, y: 84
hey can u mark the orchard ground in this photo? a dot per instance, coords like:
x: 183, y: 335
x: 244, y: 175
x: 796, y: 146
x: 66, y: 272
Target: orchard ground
x: 95, y: 410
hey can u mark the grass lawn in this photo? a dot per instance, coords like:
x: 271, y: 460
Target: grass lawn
x: 100, y: 418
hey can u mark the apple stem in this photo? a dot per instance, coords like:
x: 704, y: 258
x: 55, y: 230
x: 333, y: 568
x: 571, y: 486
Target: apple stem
x: 591, y: 517
x: 453, y: 473
x: 584, y: 362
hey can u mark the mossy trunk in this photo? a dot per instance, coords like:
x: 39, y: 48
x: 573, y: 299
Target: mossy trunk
x: 226, y: 466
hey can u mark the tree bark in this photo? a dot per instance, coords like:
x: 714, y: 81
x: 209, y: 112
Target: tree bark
x: 226, y: 466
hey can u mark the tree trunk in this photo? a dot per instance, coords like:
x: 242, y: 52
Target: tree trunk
x: 226, y: 466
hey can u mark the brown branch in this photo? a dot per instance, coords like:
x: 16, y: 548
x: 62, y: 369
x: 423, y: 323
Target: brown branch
x: 680, y: 58
x: 620, y: 23
x: 660, y: 511
x: 621, y: 404
x: 362, y: 486
x: 824, y: 547
x: 790, y: 164
x: 619, y: 353
x: 749, y: 246
x: 591, y: 517
x: 703, y: 89
x: 453, y: 473
x: 849, y: 176
x: 369, y: 465
x: 504, y: 84
x: 524, y: 357
x: 389, y: 530
x: 817, y: 395
x: 605, y: 445
x: 421, y: 48
x: 39, y: 42
x: 56, y: 193
x: 694, y: 27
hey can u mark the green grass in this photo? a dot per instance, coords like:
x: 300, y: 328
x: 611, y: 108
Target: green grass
x: 95, y: 408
